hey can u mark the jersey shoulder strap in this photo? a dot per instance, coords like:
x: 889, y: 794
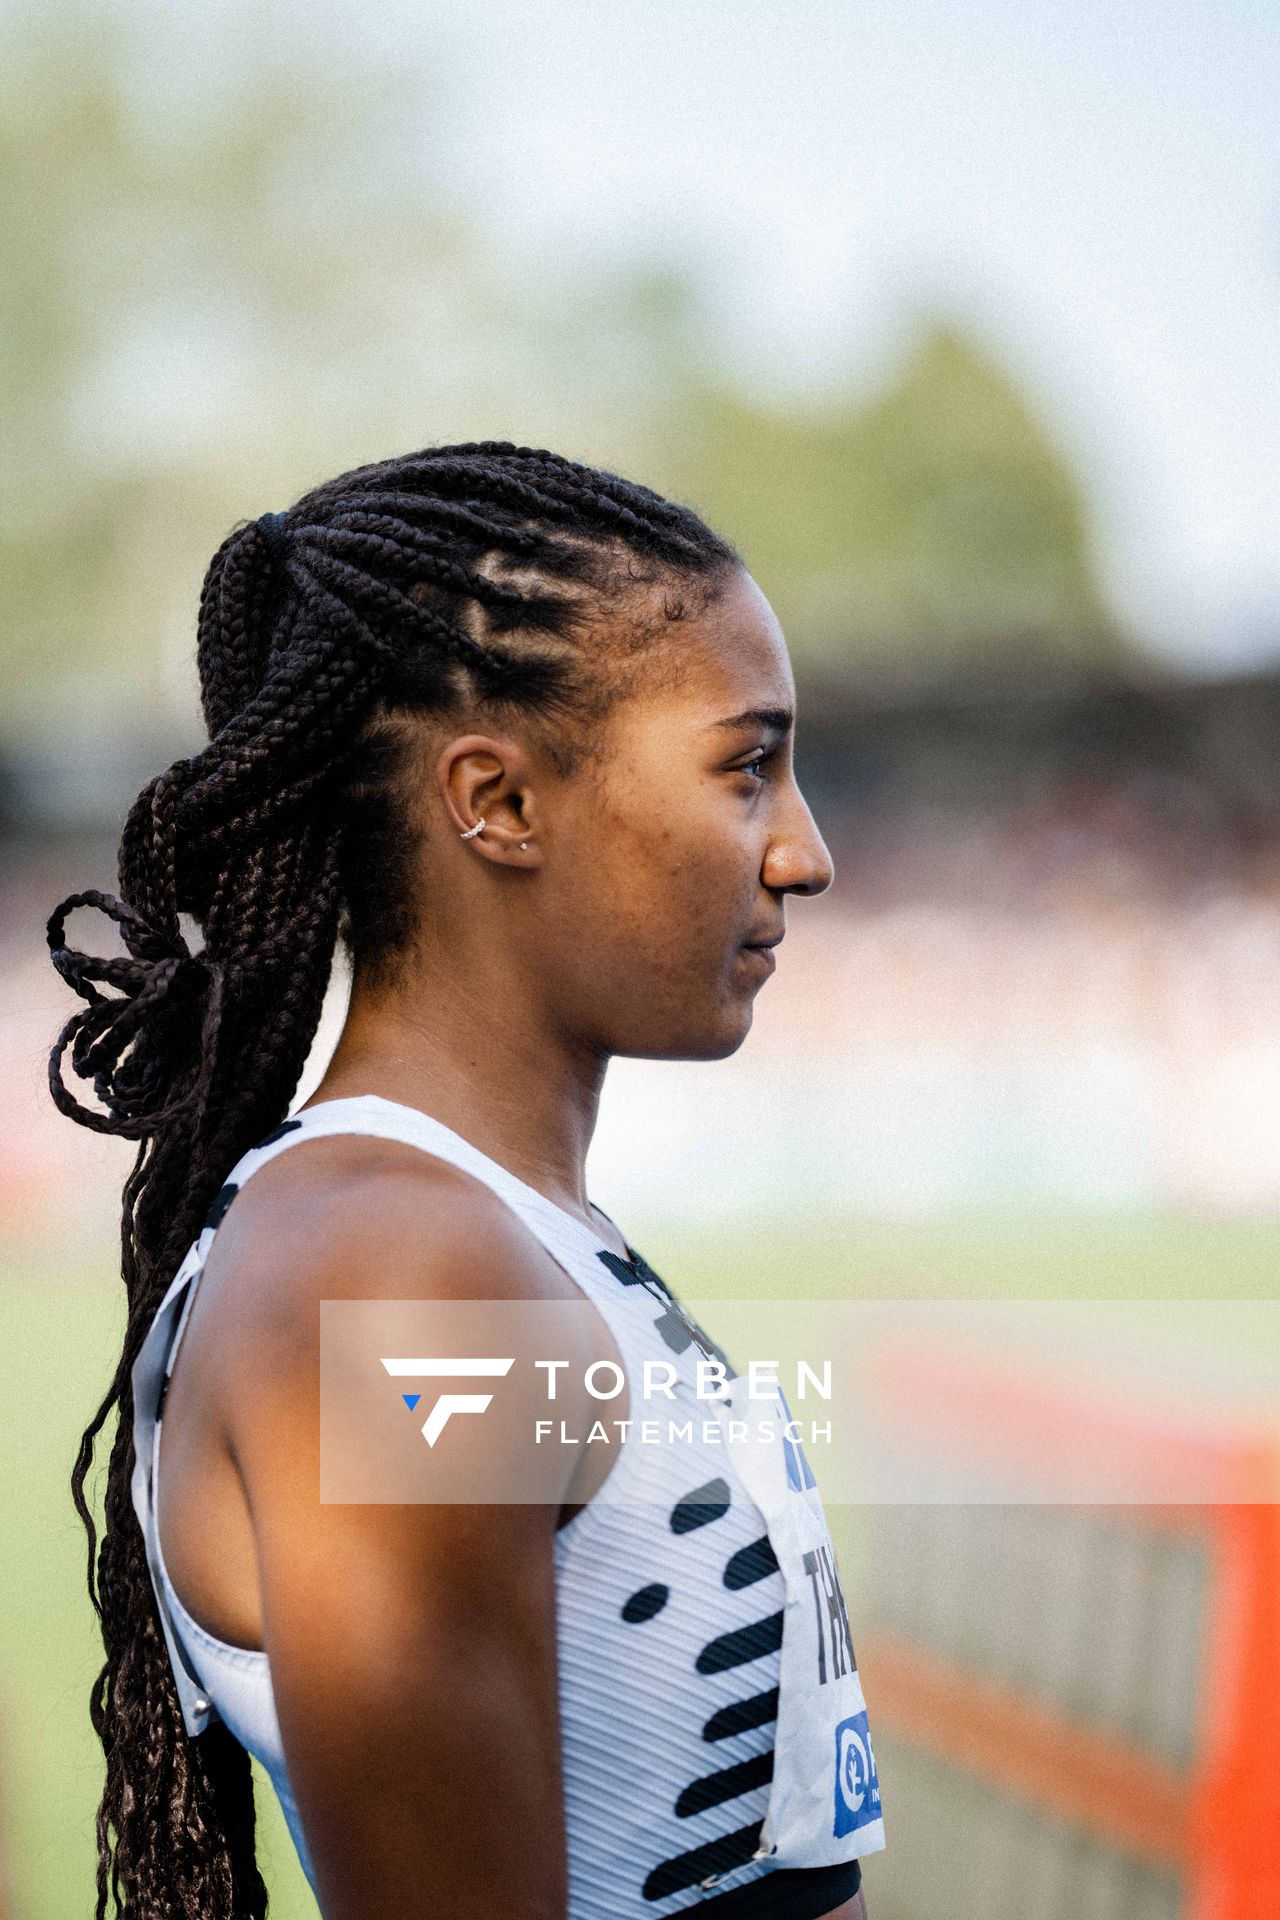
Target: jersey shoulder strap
x: 569, y: 1239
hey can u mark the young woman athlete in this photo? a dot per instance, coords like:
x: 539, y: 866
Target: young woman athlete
x: 518, y: 732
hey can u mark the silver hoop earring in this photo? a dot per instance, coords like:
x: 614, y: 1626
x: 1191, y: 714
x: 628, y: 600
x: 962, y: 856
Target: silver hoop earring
x: 471, y: 832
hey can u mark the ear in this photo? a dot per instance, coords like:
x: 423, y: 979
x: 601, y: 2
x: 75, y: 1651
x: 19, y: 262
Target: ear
x: 490, y: 777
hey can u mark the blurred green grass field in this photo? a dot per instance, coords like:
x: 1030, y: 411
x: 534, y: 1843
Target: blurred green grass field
x: 59, y: 1339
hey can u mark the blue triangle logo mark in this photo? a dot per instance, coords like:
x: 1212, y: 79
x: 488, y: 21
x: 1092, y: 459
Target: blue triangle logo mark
x: 411, y: 1400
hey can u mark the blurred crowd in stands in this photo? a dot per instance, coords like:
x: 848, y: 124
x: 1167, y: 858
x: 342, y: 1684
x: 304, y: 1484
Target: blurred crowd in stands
x: 1049, y: 971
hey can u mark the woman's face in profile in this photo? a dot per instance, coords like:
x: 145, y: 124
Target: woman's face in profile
x: 682, y: 845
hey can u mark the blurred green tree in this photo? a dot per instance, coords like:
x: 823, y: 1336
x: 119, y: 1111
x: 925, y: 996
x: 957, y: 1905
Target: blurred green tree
x: 228, y: 273
x: 931, y: 532
x: 232, y: 268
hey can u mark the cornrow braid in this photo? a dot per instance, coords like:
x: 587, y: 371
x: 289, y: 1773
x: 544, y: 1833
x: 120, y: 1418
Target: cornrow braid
x: 480, y: 574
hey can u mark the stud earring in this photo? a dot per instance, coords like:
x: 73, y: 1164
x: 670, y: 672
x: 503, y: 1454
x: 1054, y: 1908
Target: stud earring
x: 471, y: 832
x: 524, y: 846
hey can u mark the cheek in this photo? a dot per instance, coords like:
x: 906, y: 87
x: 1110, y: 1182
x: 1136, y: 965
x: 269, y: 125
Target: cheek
x: 642, y: 940
x: 669, y: 897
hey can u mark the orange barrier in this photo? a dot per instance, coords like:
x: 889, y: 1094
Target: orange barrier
x: 1200, y: 1801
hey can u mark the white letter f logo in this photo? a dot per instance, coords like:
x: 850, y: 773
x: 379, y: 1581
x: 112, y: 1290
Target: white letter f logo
x: 436, y: 1421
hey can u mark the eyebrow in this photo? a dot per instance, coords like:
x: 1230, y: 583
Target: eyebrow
x: 780, y: 719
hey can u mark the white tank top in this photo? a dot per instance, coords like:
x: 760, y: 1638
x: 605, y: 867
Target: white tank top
x: 705, y: 1762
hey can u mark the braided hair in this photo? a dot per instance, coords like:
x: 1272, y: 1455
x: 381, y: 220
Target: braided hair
x: 483, y: 577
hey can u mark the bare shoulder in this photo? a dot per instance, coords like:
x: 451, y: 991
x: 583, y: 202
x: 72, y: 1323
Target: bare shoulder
x: 345, y: 1217
x: 383, y: 1218
x: 412, y: 1644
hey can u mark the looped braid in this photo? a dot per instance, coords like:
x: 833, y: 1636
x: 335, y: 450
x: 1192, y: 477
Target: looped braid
x: 109, y: 1036
x: 458, y: 578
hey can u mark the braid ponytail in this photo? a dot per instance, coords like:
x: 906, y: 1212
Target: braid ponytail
x: 455, y: 577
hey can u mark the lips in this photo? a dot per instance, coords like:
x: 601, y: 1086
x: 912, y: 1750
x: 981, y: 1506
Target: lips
x: 762, y: 951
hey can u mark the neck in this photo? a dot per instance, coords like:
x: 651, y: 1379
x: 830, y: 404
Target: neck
x: 483, y: 1059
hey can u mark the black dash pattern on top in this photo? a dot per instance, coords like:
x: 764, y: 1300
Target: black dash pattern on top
x: 751, y: 1563
x: 698, y: 1509
x: 222, y: 1200
x: 741, y: 1716
x: 225, y: 1195
x: 719, y: 1856
x: 702, y: 1507
x: 734, y: 1649
x: 679, y: 1329
x: 646, y: 1603
x: 713, y: 1789
x: 798, y: 1892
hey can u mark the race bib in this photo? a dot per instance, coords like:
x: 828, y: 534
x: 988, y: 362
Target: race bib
x: 824, y: 1804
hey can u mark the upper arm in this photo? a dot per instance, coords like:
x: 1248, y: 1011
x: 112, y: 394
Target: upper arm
x: 412, y: 1646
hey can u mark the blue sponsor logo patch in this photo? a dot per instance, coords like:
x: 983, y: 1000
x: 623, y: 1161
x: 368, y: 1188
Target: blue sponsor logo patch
x: 857, y: 1783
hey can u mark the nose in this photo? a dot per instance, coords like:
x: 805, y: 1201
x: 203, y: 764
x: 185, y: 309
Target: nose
x: 797, y: 859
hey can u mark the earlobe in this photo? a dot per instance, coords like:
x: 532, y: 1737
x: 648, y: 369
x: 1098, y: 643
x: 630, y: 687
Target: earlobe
x: 470, y: 833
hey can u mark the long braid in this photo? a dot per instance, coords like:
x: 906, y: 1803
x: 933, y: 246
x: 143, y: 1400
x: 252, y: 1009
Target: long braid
x: 395, y: 588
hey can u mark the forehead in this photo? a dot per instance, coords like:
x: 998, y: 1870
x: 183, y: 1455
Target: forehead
x: 730, y: 657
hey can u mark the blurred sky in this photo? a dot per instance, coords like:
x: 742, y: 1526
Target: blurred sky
x: 1097, y: 187
x: 1093, y: 190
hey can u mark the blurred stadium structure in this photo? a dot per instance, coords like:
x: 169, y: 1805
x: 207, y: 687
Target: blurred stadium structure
x: 1044, y: 990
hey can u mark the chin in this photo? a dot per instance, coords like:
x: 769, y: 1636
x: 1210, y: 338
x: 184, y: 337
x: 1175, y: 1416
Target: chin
x: 714, y: 1039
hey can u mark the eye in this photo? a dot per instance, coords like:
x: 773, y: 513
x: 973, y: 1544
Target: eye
x: 758, y: 765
